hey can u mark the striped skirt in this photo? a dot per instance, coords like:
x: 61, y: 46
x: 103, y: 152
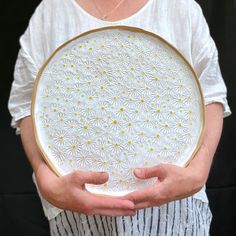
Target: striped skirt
x: 184, y: 217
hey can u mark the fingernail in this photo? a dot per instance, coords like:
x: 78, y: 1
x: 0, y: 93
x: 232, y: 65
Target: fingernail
x: 132, y: 213
x: 132, y: 206
x: 138, y: 172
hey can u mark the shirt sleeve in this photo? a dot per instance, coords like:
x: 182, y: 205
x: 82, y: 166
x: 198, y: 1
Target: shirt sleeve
x: 205, y: 60
x: 29, y: 61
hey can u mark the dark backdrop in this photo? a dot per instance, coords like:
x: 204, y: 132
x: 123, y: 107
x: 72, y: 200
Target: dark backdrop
x: 20, y: 209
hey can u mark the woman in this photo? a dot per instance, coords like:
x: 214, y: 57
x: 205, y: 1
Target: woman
x: 178, y: 205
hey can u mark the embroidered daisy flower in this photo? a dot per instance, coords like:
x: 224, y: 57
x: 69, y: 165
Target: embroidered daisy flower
x: 140, y: 57
x: 121, y: 184
x: 119, y: 164
x: 147, y: 90
x: 147, y: 122
x: 188, y: 138
x: 68, y: 76
x: 115, y: 124
x: 138, y: 44
x: 69, y: 54
x: 176, y: 140
x: 115, y: 147
x: 100, y: 164
x: 84, y: 129
x: 40, y: 116
x: 91, y: 96
x: 120, y: 70
x: 102, y: 145
x: 189, y: 114
x: 133, y: 92
x: 84, y: 162
x: 165, y: 128
x: 133, y: 67
x: 148, y: 54
x: 47, y: 123
x: 97, y: 121
x: 168, y: 91
x: 58, y: 84
x: 102, y: 87
x: 158, y: 114
x: 76, y: 88
x: 73, y: 148
x: 88, y: 144
x: 121, y: 113
x: 137, y: 82
x: 124, y: 45
x: 59, y: 154
x: 141, y: 137
x: 114, y: 100
x: 143, y: 102
x: 88, y: 68
x: 87, y: 111
x: 57, y: 108
x: 151, y: 152
x: 47, y: 93
x: 171, y: 115
x: 123, y: 171
x: 129, y: 145
x: 60, y: 137
x: 66, y: 98
x: 60, y: 118
x: 65, y: 62
x: 178, y: 102
x: 188, y: 99
x: 180, y: 87
x: 135, y: 114
x: 103, y: 59
x: 103, y: 107
x: 124, y: 134
x: 166, y: 153
x: 129, y: 102
x: 156, y: 81
x: 52, y: 73
x: 71, y: 124
x: 74, y: 112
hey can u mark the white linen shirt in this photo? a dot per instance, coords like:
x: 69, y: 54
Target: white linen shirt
x: 180, y: 22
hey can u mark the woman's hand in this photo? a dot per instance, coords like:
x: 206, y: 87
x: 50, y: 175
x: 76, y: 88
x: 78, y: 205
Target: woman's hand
x: 179, y: 182
x: 68, y: 192
x: 173, y: 183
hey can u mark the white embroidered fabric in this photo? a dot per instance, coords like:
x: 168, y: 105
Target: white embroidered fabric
x: 114, y: 100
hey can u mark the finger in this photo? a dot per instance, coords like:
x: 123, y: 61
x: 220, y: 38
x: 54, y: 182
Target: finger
x: 143, y: 195
x: 112, y: 203
x: 146, y: 173
x: 143, y: 205
x: 109, y: 212
x: 90, y: 177
x: 158, y: 201
x: 157, y: 197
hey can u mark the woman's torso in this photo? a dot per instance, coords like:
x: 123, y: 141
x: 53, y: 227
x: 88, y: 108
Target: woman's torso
x: 68, y: 19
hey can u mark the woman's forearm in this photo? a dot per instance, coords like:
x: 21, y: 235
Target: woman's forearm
x: 29, y: 144
x: 213, y: 128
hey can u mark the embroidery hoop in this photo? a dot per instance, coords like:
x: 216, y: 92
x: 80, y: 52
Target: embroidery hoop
x: 122, y: 183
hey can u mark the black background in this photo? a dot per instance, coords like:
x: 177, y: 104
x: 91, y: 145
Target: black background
x: 20, y: 209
